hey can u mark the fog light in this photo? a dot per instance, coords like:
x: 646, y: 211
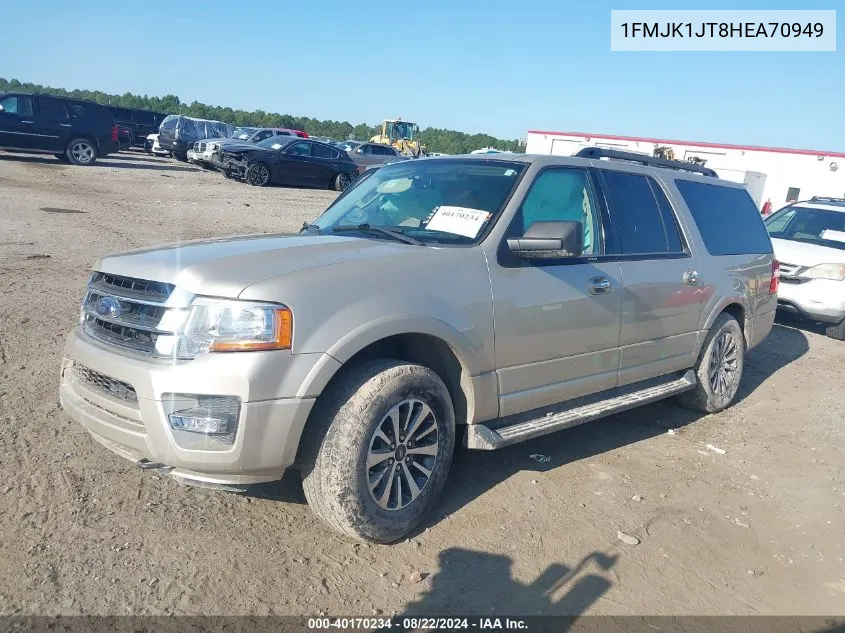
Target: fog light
x: 206, y: 415
x: 202, y: 421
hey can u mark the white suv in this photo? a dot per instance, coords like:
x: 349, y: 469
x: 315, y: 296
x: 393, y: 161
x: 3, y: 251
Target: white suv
x: 809, y: 241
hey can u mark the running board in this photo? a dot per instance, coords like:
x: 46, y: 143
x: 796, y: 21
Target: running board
x: 481, y: 437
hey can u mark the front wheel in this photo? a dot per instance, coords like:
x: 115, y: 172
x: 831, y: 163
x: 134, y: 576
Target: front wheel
x: 258, y: 175
x: 719, y: 367
x: 81, y: 151
x: 378, y: 450
x: 341, y: 181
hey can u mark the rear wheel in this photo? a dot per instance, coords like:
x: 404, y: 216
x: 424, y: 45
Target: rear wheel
x: 258, y: 175
x: 341, y: 181
x: 378, y: 449
x: 837, y: 331
x: 719, y: 367
x: 81, y: 151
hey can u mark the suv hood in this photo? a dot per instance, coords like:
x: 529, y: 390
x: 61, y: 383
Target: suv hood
x: 806, y: 254
x: 225, y: 267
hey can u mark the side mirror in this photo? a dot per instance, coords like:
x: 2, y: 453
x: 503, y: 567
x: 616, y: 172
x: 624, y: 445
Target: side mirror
x: 2, y: 110
x: 549, y: 240
x: 359, y: 151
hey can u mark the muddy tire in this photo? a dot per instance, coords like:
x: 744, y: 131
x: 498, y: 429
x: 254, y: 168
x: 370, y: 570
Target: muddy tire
x: 719, y: 368
x: 378, y: 449
x: 258, y: 175
x: 836, y: 331
x: 341, y: 181
x: 81, y: 151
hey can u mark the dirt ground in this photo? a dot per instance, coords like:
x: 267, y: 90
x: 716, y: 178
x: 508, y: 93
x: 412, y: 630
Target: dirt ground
x: 758, y: 529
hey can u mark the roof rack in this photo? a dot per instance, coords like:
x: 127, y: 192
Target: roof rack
x: 645, y: 159
x: 827, y: 199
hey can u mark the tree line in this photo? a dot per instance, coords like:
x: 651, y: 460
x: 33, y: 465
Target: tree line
x: 436, y: 139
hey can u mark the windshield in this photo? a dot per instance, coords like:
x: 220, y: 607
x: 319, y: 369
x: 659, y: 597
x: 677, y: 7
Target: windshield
x: 243, y: 133
x: 348, y: 145
x: 434, y: 201
x: 276, y: 142
x: 806, y: 224
x: 401, y: 129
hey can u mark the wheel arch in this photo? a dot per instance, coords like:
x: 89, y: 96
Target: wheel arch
x: 737, y: 308
x: 443, y: 354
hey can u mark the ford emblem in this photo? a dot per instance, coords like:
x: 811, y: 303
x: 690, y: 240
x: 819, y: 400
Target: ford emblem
x: 110, y: 307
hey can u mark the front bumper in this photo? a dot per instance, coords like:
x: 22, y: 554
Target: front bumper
x: 820, y: 300
x: 268, y: 430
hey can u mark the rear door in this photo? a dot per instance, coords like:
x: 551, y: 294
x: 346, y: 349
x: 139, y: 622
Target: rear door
x: 323, y: 163
x: 663, y: 294
x: 53, y: 123
x: 17, y: 122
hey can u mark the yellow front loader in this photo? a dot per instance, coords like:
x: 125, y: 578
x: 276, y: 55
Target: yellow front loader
x: 403, y: 135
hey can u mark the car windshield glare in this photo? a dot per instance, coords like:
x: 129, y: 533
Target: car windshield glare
x: 823, y: 227
x: 243, y: 132
x: 442, y: 201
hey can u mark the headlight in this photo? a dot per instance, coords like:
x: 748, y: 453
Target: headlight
x: 215, y: 325
x: 826, y: 271
x: 212, y: 146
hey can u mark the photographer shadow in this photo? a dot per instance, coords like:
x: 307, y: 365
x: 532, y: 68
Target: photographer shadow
x: 472, y: 583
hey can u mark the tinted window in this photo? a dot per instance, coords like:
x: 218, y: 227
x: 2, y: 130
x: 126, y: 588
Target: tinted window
x: 262, y: 135
x: 670, y: 221
x: 561, y: 195
x: 727, y: 218
x: 121, y: 114
x: 77, y: 110
x: 17, y: 104
x: 322, y: 151
x: 144, y: 118
x: 636, y: 215
x: 169, y: 123
x: 52, y: 109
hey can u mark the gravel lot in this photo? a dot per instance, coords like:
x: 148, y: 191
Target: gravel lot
x: 759, y: 529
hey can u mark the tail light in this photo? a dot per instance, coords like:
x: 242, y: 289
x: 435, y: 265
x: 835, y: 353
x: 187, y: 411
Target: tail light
x: 775, y: 281
x: 114, y: 133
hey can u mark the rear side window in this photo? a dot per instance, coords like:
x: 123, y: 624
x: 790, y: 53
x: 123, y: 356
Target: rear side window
x: 144, y: 118
x: 636, y: 214
x: 727, y: 218
x: 121, y: 114
x: 322, y: 151
x: 52, y: 109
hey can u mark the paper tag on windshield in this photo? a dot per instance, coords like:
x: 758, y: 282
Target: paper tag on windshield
x: 457, y: 220
x: 833, y: 236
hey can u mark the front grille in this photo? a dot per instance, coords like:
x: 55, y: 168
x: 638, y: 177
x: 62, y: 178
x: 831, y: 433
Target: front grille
x: 199, y: 147
x: 109, y: 386
x: 127, y: 312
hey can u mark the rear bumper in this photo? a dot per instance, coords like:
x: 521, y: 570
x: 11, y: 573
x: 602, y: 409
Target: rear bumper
x: 821, y: 300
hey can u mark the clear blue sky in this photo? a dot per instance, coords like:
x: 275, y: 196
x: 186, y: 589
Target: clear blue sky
x: 472, y: 65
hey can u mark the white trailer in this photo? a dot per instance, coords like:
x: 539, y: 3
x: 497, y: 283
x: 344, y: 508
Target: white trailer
x: 770, y: 173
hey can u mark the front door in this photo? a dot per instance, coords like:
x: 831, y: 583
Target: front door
x: 556, y: 320
x: 663, y: 294
x: 17, y: 123
x: 294, y: 167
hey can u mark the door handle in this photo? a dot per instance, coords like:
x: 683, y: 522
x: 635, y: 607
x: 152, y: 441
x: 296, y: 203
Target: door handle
x: 65, y: 124
x: 600, y: 285
x: 691, y: 277
x: 29, y: 122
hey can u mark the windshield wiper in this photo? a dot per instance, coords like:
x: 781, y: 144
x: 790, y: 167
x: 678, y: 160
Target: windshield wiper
x: 364, y: 228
